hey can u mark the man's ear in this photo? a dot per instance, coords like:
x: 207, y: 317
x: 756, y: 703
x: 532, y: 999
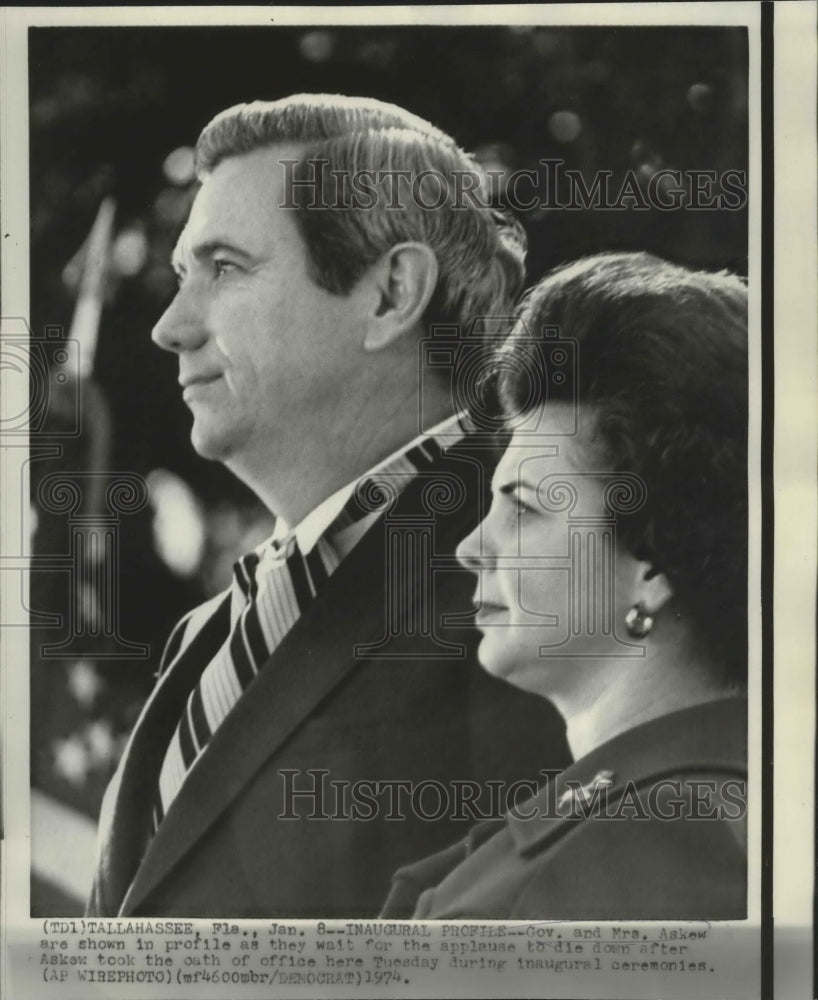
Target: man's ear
x: 651, y: 589
x: 403, y: 280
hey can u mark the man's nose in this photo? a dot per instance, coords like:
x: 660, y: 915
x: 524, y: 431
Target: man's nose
x: 180, y: 328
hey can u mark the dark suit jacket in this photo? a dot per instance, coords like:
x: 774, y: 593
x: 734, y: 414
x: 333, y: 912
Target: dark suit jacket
x: 419, y: 711
x: 545, y: 865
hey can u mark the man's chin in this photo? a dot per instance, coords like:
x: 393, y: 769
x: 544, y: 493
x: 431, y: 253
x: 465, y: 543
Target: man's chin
x: 209, y: 445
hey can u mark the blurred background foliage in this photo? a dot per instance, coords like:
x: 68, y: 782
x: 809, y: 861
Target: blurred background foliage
x: 115, y: 112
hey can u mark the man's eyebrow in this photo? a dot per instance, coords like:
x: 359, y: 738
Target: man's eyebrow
x: 202, y: 251
x: 205, y: 251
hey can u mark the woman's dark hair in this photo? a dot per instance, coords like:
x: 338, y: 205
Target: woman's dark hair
x: 662, y: 361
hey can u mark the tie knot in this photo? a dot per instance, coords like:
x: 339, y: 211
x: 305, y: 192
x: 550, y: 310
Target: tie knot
x: 281, y: 548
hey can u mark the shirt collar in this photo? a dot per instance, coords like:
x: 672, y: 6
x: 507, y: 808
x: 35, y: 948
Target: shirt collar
x: 311, y: 528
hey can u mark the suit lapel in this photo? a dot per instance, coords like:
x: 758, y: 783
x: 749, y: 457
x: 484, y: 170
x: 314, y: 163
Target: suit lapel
x: 130, y: 822
x: 312, y: 659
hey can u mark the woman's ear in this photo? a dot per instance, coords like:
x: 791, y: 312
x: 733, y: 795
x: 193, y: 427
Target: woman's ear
x: 403, y: 281
x: 651, y: 589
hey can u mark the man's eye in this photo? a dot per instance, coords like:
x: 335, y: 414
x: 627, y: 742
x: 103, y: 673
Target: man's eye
x: 222, y: 267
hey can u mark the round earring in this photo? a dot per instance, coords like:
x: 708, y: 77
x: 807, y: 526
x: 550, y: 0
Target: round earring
x: 638, y: 622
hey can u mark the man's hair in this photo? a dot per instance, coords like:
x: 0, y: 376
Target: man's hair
x: 662, y: 371
x: 480, y: 252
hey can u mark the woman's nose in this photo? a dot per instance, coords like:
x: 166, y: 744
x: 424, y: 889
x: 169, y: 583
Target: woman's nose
x: 471, y: 552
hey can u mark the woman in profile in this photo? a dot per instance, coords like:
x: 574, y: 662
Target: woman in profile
x: 612, y: 580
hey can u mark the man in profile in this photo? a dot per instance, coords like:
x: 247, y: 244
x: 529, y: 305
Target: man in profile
x: 324, y: 721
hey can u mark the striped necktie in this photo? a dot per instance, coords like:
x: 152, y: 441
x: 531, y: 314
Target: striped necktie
x: 269, y: 595
x: 262, y: 613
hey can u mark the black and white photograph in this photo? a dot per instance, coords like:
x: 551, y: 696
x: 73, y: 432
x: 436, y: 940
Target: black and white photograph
x: 388, y: 503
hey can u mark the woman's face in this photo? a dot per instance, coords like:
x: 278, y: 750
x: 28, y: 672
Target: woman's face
x: 553, y: 587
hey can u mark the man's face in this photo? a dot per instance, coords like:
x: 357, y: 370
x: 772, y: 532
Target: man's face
x: 263, y: 351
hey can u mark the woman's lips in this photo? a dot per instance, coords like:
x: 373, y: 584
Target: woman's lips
x: 488, y: 609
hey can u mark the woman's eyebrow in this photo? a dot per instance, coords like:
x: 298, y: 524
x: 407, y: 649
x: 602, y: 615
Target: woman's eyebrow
x: 515, y: 484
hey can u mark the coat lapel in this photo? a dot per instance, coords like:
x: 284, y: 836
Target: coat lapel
x: 312, y: 659
x: 708, y: 737
x: 131, y: 811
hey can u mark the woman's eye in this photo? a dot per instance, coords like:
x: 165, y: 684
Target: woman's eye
x: 522, y: 507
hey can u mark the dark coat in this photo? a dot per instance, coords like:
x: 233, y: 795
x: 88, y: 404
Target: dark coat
x: 594, y: 868
x: 419, y: 711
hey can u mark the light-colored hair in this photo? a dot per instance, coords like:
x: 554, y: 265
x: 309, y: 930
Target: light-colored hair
x: 480, y: 251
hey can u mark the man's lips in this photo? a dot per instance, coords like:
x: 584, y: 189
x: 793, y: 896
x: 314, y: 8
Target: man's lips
x: 192, y: 384
x: 185, y: 381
